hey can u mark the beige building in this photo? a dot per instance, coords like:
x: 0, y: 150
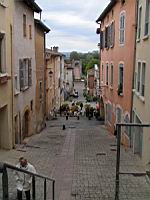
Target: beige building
x: 141, y: 92
x: 6, y: 101
x: 40, y: 99
x: 24, y: 68
x: 54, y: 79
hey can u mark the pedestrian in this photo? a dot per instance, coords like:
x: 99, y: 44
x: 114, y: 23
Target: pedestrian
x: 81, y: 105
x: 115, y: 132
x: 23, y: 180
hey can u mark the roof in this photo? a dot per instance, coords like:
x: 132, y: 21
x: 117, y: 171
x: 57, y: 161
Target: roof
x: 49, y: 51
x: 106, y: 10
x: 33, y: 5
x: 41, y: 25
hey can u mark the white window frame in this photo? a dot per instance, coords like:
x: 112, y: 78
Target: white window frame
x: 111, y: 74
x: 143, y: 79
x: 107, y: 73
x: 139, y: 67
x: 147, y: 18
x: 102, y: 76
x: 3, y: 53
x: 139, y: 23
x: 122, y: 28
x: 121, y: 65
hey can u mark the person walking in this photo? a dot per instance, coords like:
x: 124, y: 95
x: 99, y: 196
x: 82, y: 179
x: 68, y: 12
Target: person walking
x: 81, y: 105
x: 23, y: 180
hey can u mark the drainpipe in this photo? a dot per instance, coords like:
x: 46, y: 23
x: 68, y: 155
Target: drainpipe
x: 133, y: 79
x: 99, y: 70
x: 44, y: 107
x: 134, y: 61
x: 12, y: 88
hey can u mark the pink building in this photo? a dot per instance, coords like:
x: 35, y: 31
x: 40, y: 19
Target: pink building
x: 117, y: 43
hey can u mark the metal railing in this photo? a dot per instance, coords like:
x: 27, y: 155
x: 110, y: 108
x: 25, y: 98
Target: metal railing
x: 5, y: 186
x: 118, y: 172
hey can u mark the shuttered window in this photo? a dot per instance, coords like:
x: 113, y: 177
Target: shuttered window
x: 122, y: 28
x: 29, y: 72
x: 21, y: 73
x: 25, y: 71
x: 147, y: 18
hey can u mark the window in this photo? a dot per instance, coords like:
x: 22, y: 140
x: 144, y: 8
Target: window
x: 112, y: 34
x: 143, y: 79
x: 135, y: 79
x: 102, y: 72
x: 16, y: 82
x: 120, y: 84
x: 25, y: 73
x: 139, y: 23
x: 107, y: 74
x: 40, y: 90
x: 112, y: 75
x: 30, y: 32
x: 102, y: 39
x: 24, y: 25
x: 127, y: 128
x: 2, y: 53
x: 31, y: 105
x: 109, y: 112
x: 122, y: 28
x: 147, y: 16
x: 139, y: 77
x: 118, y: 115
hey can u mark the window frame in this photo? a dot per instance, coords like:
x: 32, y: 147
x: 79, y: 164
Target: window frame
x: 147, y: 18
x: 139, y: 24
x: 2, y: 53
x: 120, y: 85
x: 107, y: 73
x: 111, y: 74
x: 122, y: 29
x: 24, y: 25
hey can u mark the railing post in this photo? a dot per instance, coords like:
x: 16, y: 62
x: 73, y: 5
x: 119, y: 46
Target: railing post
x: 5, y: 183
x: 118, y: 162
x: 53, y: 192
x: 33, y: 187
x: 45, y: 189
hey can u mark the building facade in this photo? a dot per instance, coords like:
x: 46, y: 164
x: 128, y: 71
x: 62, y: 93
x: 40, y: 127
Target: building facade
x: 24, y: 68
x: 117, y: 43
x: 54, y: 80
x: 40, y: 99
x: 6, y: 100
x: 141, y: 91
x: 77, y: 69
x: 90, y: 82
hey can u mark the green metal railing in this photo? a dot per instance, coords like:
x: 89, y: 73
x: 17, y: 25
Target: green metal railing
x: 5, y: 186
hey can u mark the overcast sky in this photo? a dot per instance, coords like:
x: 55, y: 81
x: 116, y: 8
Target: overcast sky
x: 72, y: 23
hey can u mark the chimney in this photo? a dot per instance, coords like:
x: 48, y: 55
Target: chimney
x: 55, y: 49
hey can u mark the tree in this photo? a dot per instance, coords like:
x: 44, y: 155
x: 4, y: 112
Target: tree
x: 74, y: 55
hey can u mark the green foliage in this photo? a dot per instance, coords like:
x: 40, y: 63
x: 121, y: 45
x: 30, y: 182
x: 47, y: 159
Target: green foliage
x: 88, y: 59
x: 74, y: 55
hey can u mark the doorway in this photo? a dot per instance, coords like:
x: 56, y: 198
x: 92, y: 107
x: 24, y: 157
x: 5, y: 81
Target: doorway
x: 25, y: 125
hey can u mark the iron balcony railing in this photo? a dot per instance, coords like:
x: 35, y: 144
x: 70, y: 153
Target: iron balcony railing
x: 5, y: 186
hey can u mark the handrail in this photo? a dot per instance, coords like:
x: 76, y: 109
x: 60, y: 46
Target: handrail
x: 3, y: 170
x: 27, y: 172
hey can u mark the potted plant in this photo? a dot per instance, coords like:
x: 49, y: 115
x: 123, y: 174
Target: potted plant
x: 120, y: 89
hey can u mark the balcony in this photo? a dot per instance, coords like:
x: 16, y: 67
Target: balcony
x: 4, y: 78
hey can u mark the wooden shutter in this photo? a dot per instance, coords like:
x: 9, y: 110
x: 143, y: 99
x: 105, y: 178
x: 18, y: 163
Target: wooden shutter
x: 21, y: 74
x: 106, y: 35
x: 29, y: 72
x: 101, y: 39
x: 113, y: 33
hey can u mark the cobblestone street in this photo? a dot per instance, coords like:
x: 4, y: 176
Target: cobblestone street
x: 82, y: 160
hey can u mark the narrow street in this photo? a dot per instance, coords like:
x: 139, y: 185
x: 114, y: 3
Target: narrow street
x: 82, y: 160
